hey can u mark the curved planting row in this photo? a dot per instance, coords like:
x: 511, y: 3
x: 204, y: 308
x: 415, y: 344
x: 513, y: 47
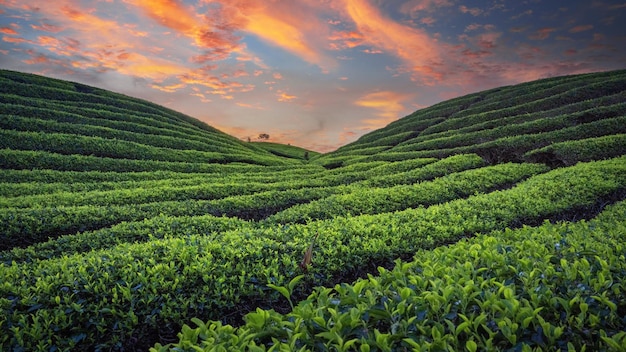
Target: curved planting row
x: 586, y: 111
x: 198, y: 186
x: 512, y: 148
x: 571, y: 152
x: 28, y: 159
x: 439, y: 168
x: 528, y: 126
x: 253, y: 172
x: 111, y: 148
x: 382, y: 200
x: 103, y: 116
x: 26, y: 124
x: 115, y: 297
x: 28, y: 226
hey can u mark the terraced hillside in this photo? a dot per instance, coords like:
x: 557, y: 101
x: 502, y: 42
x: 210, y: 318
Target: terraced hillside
x: 494, y: 221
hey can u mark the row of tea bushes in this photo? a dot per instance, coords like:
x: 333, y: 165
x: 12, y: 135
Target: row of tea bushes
x: 530, y: 126
x: 38, y: 159
x: 571, y: 152
x: 158, y: 227
x: 442, y: 167
x: 217, y: 173
x: 556, y: 287
x: 18, y: 123
x: 28, y: 226
x: 382, y: 200
x: 584, y: 111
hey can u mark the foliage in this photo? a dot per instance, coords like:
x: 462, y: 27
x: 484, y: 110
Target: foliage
x: 554, y: 287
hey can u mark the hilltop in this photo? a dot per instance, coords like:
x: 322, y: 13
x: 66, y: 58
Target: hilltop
x: 494, y: 221
x: 287, y: 151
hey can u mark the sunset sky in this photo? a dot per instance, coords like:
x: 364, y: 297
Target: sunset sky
x: 313, y: 73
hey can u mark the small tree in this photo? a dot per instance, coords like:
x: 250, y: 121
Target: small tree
x: 264, y: 136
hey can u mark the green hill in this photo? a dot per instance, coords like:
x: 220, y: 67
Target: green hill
x: 494, y: 221
x: 287, y: 151
x: 53, y: 124
x: 514, y: 123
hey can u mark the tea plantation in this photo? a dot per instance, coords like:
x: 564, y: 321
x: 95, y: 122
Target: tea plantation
x: 494, y: 221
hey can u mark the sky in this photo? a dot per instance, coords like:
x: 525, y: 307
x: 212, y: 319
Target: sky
x: 313, y: 73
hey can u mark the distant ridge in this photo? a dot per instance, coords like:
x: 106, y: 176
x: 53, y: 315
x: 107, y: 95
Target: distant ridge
x: 54, y: 124
x: 511, y: 123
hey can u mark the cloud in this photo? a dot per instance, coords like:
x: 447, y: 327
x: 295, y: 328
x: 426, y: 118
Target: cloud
x: 285, y: 35
x: 284, y: 96
x: 216, y: 39
x: 341, y: 40
x: 419, y: 52
x: 525, y: 13
x: 581, y: 28
x: 414, y: 8
x: 388, y: 105
x: 251, y: 106
x: 542, y: 34
x: 16, y: 40
x: 474, y: 11
x: 46, y: 27
x: 8, y: 30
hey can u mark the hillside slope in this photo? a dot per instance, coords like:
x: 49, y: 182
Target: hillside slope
x: 54, y: 124
x: 527, y: 122
x: 495, y: 221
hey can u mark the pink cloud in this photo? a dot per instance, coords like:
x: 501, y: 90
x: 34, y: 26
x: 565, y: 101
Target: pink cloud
x: 581, y: 28
x: 46, y: 27
x: 16, y: 40
x: 474, y: 11
x: 8, y: 30
x: 542, y: 34
x: 416, y: 7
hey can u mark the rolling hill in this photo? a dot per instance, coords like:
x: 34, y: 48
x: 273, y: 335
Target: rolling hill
x: 494, y: 221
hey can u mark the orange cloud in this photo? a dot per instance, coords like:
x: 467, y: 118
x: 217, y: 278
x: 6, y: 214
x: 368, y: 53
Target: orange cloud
x: 282, y: 34
x: 219, y: 42
x: 284, y: 97
x: 8, y: 30
x: 417, y: 49
x: 16, y: 40
x: 169, y: 13
x: 387, y: 103
x: 251, y: 106
x: 345, y: 39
